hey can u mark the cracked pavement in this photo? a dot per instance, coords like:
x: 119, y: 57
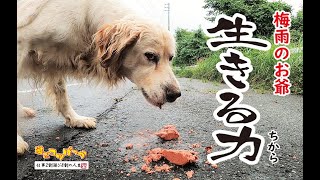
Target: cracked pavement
x: 124, y: 116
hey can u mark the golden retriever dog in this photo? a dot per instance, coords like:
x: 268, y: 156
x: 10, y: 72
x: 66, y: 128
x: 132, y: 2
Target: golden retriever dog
x: 99, y: 40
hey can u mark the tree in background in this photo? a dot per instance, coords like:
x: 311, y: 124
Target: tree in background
x: 257, y: 11
x: 297, y: 22
x: 191, y: 46
x: 296, y: 29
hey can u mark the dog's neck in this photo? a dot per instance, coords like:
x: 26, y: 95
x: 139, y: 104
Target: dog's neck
x: 88, y: 63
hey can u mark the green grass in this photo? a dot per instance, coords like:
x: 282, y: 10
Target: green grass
x: 261, y: 78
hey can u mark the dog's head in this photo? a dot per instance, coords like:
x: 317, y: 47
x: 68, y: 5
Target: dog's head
x: 141, y: 52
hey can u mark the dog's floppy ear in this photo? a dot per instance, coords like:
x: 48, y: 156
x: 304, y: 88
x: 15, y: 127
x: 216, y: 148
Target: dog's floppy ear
x: 112, y: 42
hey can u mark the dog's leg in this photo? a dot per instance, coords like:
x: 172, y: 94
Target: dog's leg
x: 22, y: 146
x: 57, y: 90
x: 25, y: 111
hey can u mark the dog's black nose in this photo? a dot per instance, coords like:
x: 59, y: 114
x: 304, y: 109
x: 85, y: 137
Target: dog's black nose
x: 172, y: 96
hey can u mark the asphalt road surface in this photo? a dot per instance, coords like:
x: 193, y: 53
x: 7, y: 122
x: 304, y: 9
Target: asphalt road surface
x: 124, y: 116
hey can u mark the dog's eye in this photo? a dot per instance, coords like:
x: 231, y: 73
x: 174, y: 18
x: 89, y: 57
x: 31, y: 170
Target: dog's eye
x: 170, y: 58
x: 152, y: 57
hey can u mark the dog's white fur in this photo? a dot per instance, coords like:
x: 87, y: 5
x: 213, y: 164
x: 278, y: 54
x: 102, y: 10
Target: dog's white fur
x: 100, y: 40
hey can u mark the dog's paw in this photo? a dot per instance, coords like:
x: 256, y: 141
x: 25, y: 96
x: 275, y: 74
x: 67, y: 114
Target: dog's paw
x: 28, y: 112
x: 81, y: 122
x: 22, y: 146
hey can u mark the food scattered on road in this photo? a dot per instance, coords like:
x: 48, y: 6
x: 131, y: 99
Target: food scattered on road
x: 214, y: 166
x: 163, y: 168
x: 189, y: 174
x: 126, y: 160
x: 180, y: 157
x: 176, y: 157
x: 129, y: 146
x: 147, y: 169
x: 208, y: 149
x: 133, y: 169
x: 195, y: 145
x: 168, y: 132
x: 153, y: 155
